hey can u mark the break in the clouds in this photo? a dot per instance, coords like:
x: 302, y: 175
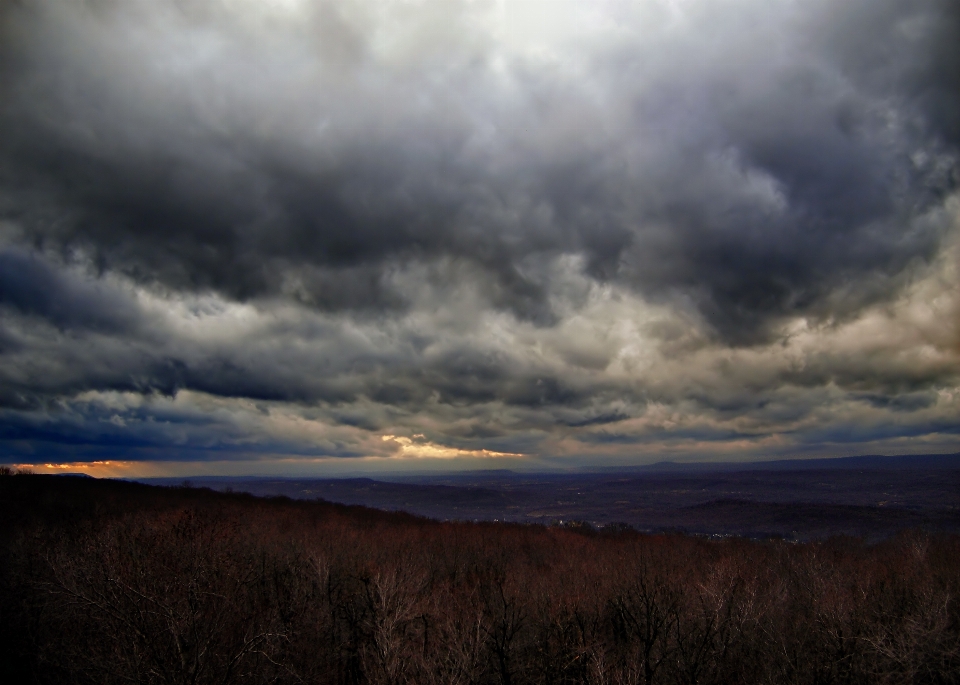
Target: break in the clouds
x: 284, y: 235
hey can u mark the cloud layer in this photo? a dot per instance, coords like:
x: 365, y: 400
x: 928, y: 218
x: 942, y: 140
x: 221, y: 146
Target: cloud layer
x: 583, y: 233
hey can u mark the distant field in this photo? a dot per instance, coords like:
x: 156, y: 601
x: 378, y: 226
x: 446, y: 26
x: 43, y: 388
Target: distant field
x: 872, y: 497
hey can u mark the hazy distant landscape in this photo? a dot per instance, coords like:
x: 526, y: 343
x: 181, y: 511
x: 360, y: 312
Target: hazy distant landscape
x: 864, y: 496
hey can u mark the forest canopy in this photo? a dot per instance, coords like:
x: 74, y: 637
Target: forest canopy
x: 113, y: 582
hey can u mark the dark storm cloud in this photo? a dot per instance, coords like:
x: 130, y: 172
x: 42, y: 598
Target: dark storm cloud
x: 95, y: 432
x: 756, y: 175
x: 302, y: 227
x: 838, y: 161
x: 32, y: 286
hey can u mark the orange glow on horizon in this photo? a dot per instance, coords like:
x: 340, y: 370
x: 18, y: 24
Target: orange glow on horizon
x: 97, y: 469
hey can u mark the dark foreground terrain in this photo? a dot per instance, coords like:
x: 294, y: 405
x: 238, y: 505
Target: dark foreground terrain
x: 872, y: 497
x: 115, y: 582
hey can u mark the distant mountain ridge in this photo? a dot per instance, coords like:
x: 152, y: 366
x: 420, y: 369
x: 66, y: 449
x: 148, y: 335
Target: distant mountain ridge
x: 871, y: 495
x: 866, y: 461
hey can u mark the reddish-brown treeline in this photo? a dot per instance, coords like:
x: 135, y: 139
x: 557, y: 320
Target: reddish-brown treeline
x: 240, y: 590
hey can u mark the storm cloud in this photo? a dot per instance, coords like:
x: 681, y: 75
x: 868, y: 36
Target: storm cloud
x: 567, y: 232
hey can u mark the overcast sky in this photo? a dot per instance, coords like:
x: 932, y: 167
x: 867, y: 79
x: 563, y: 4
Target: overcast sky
x: 286, y: 236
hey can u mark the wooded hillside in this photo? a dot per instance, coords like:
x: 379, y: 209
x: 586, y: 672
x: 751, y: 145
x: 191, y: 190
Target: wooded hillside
x: 113, y: 582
